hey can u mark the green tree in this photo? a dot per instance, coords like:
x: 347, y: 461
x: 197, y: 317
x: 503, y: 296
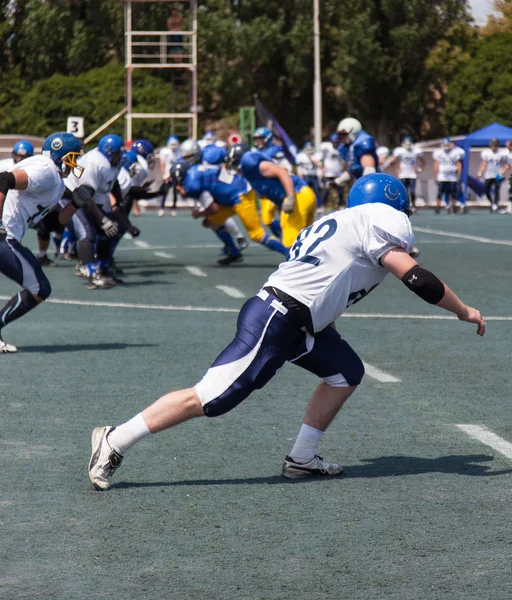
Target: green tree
x: 480, y: 93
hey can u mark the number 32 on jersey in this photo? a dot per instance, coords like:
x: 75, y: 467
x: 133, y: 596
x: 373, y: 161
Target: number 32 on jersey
x: 309, y: 239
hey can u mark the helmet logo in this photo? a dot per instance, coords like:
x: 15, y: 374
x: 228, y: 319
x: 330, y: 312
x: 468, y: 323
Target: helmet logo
x: 391, y: 193
x: 56, y: 144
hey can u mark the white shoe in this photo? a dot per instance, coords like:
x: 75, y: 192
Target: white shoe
x: 82, y: 271
x: 494, y: 208
x: 104, y: 460
x: 173, y: 213
x: 506, y: 211
x: 6, y: 348
x: 317, y: 467
x: 161, y: 213
x: 99, y: 281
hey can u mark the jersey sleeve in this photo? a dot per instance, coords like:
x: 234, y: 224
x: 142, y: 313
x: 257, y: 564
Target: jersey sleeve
x: 397, y: 152
x: 435, y: 155
x: 364, y: 146
x: 40, y: 177
x: 387, y: 230
x: 250, y: 164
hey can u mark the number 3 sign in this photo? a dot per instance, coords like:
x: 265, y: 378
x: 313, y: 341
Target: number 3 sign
x: 76, y: 126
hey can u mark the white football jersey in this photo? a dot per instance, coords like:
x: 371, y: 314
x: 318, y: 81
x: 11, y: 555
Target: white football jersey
x: 6, y: 164
x: 98, y: 174
x: 167, y: 158
x: 25, y: 208
x: 335, y: 262
x: 447, y: 163
x: 125, y: 182
x: 142, y: 173
x: 331, y: 159
x: 407, y: 162
x: 305, y: 165
x: 495, y: 161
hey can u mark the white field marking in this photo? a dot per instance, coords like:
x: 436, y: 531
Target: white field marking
x: 379, y: 375
x: 170, y: 247
x: 229, y: 310
x: 488, y: 438
x: 164, y: 254
x: 473, y: 238
x: 230, y: 291
x: 196, y: 271
x: 169, y: 307
x: 142, y: 244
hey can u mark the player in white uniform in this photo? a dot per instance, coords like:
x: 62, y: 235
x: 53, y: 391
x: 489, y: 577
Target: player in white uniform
x: 27, y: 193
x: 447, y: 171
x: 408, y: 162
x: 168, y: 155
x: 333, y: 264
x: 307, y: 169
x: 22, y: 149
x: 332, y: 167
x: 94, y: 225
x: 492, y: 169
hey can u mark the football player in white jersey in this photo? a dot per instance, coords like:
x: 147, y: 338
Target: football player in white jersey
x: 308, y: 169
x: 447, y: 171
x: 332, y: 167
x: 333, y: 264
x: 22, y: 149
x: 408, y: 162
x: 31, y: 190
x: 168, y: 155
x: 94, y: 225
x: 492, y: 169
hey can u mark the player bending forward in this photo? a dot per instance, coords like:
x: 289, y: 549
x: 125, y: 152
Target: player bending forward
x: 333, y: 263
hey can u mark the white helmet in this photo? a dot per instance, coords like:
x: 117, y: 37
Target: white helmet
x: 350, y: 127
x: 190, y: 151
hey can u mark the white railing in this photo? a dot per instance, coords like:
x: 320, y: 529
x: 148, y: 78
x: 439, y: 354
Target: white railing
x: 157, y: 49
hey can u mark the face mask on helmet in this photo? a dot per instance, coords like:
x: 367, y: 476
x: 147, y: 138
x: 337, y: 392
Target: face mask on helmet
x: 64, y: 149
x: 348, y: 129
x: 235, y: 154
x: 23, y: 149
x: 262, y: 137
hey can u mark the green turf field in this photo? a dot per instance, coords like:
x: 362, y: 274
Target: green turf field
x: 201, y: 512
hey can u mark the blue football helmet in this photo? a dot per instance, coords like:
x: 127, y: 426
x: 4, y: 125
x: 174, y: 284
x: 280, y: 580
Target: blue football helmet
x: 382, y: 188
x: 173, y: 142
x: 64, y: 149
x: 112, y: 146
x: 407, y: 142
x: 235, y: 154
x: 262, y: 137
x: 22, y: 149
x: 143, y: 147
x: 179, y: 172
x: 130, y: 162
x: 446, y: 144
x: 209, y: 137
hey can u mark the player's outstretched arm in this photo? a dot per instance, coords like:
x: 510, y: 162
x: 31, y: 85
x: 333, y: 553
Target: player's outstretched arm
x: 428, y: 287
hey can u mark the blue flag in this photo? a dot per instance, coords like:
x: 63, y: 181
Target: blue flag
x: 266, y: 119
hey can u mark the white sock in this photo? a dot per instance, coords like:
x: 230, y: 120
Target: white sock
x: 232, y: 226
x: 128, y: 434
x: 306, y: 444
x: 41, y: 253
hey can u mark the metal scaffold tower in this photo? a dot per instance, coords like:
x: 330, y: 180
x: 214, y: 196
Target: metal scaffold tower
x: 173, y: 48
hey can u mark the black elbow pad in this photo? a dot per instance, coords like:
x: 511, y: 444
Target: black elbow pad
x: 7, y: 182
x: 424, y: 284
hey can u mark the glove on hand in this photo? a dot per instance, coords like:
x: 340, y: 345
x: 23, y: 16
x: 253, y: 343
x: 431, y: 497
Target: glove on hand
x: 110, y: 228
x: 288, y: 204
x: 81, y: 195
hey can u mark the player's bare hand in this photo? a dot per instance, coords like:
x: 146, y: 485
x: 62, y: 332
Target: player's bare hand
x: 471, y: 315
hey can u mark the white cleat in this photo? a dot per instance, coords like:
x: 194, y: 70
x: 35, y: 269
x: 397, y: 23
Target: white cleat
x: 316, y: 467
x: 7, y: 348
x: 104, y: 459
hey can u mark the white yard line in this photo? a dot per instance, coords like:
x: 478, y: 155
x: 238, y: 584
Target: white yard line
x: 220, y: 309
x: 488, y: 438
x: 164, y: 255
x: 463, y: 236
x: 169, y: 247
x: 379, y: 375
x: 196, y: 271
x: 142, y: 244
x: 230, y: 291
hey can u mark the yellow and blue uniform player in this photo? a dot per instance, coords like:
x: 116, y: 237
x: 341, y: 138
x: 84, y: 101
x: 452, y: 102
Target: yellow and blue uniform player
x: 263, y: 139
x: 290, y: 193
x: 231, y: 196
x: 359, y: 149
